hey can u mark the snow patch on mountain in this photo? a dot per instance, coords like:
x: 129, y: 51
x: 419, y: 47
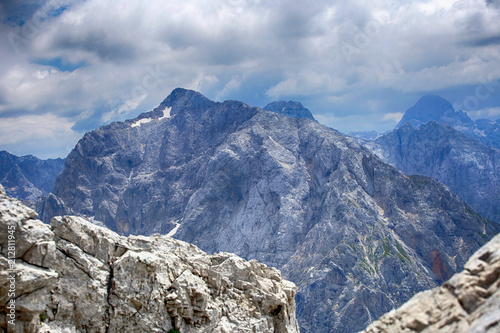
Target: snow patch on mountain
x: 141, y: 121
x: 166, y: 113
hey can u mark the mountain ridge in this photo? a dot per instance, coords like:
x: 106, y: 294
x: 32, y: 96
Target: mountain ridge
x: 448, y: 153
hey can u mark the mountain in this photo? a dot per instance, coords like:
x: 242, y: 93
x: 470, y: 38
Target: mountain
x: 290, y: 109
x: 432, y: 107
x: 357, y: 236
x: 28, y: 177
x: 468, y: 302
x: 73, y: 276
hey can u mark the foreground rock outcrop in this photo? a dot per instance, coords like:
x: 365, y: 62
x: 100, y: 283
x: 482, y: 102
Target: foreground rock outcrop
x: 468, y: 302
x: 73, y: 276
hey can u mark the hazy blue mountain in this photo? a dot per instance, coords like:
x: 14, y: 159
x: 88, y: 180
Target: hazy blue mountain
x: 356, y: 235
x: 432, y: 107
x: 28, y: 177
x: 290, y: 109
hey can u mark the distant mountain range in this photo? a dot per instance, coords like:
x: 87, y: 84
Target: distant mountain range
x: 356, y: 235
x: 28, y: 177
x: 435, y: 108
x: 434, y: 140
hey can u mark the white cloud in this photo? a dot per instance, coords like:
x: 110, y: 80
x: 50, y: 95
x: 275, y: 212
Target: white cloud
x: 396, y: 116
x: 232, y: 85
x: 306, y: 82
x: 22, y: 135
x: 246, y: 49
x: 493, y: 112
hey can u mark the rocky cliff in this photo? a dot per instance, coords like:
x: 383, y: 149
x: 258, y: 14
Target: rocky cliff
x: 28, y: 177
x: 73, y: 276
x: 357, y: 236
x: 469, y: 168
x: 468, y: 302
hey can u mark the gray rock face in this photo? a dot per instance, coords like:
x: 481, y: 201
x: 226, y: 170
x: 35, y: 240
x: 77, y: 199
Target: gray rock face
x: 468, y: 302
x: 28, y: 177
x: 469, y: 168
x: 78, y: 277
x: 290, y: 109
x: 357, y: 236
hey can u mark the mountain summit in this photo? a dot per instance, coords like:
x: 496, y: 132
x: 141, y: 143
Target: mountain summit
x: 433, y: 107
x: 290, y: 109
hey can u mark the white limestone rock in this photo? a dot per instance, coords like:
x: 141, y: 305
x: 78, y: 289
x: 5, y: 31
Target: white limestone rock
x: 74, y: 276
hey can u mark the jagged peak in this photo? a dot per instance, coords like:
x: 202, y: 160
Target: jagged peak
x: 180, y: 97
x: 291, y: 109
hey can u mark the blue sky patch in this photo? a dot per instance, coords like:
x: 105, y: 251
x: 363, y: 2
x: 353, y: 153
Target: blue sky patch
x: 59, y: 63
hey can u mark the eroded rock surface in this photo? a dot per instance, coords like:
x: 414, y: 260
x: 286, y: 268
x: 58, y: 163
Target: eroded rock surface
x: 468, y: 302
x: 78, y: 277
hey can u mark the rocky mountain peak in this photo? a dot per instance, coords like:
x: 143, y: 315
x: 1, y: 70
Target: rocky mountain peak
x: 181, y: 98
x: 290, y: 109
x: 433, y: 107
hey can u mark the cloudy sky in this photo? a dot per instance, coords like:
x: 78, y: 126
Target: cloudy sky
x: 70, y: 66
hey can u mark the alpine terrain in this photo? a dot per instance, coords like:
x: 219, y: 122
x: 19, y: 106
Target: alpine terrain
x: 357, y: 236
